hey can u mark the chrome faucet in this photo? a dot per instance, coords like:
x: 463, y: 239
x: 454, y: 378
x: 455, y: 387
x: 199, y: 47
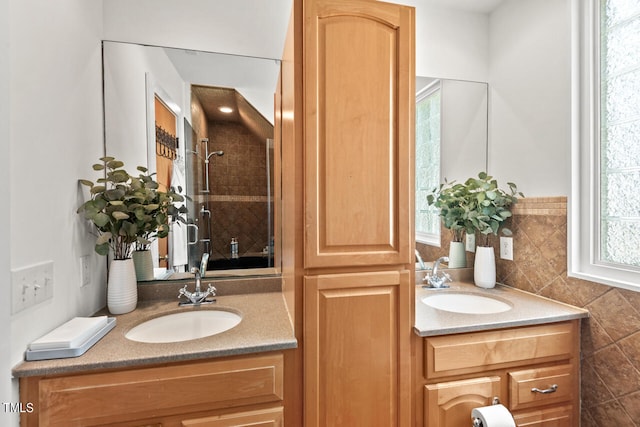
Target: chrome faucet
x: 198, y: 296
x: 437, y: 279
x: 420, y: 261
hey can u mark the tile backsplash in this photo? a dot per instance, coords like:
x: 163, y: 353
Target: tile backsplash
x: 610, y: 341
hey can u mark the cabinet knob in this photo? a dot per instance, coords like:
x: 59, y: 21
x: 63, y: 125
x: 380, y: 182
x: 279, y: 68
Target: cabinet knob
x: 551, y: 389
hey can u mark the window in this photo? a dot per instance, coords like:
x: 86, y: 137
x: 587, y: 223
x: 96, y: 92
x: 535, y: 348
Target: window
x: 427, y: 162
x: 605, y: 205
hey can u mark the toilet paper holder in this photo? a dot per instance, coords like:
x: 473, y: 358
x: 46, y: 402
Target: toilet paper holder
x: 477, y: 422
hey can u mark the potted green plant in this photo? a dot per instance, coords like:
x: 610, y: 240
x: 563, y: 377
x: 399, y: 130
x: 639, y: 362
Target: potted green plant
x: 451, y: 200
x: 488, y: 207
x: 125, y: 209
x: 153, y: 216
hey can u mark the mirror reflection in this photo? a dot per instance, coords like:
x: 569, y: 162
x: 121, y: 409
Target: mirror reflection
x: 451, y: 144
x: 204, y: 122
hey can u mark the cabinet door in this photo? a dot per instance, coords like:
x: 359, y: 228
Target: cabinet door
x: 359, y: 106
x: 352, y: 348
x: 450, y: 404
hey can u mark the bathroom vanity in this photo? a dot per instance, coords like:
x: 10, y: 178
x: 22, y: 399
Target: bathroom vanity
x: 525, y: 357
x: 235, y: 378
x: 226, y: 392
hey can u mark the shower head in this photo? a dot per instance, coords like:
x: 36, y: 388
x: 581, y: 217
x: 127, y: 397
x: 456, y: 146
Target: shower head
x: 215, y: 153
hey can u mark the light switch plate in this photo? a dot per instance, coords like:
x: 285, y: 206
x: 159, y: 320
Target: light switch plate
x: 31, y: 285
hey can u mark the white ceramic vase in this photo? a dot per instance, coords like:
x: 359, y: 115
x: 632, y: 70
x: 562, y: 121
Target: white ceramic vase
x: 484, y: 268
x: 143, y: 262
x: 457, y: 256
x: 122, y: 288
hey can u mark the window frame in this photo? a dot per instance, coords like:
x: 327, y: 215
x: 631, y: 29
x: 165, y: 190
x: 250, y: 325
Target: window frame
x: 584, y: 202
x: 431, y: 239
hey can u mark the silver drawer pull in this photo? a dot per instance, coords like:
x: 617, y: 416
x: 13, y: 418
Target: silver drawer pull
x: 551, y: 389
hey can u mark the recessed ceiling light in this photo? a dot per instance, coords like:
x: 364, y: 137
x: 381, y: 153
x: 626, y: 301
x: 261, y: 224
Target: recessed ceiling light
x: 226, y: 110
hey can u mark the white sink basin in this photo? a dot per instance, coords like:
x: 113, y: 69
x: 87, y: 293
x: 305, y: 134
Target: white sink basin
x: 457, y: 302
x: 184, y: 326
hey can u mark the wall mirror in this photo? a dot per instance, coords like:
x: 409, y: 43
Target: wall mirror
x: 205, y: 122
x: 451, y: 142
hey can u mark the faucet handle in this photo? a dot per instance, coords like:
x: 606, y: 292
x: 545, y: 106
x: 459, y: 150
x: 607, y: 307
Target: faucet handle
x: 437, y: 280
x: 212, y: 290
x: 183, y: 292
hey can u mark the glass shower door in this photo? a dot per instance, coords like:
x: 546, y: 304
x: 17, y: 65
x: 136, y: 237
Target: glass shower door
x: 195, y: 245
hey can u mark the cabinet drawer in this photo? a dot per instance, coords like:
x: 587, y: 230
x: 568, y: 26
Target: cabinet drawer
x: 481, y: 351
x: 273, y: 417
x: 160, y: 391
x: 557, y: 382
x: 552, y: 417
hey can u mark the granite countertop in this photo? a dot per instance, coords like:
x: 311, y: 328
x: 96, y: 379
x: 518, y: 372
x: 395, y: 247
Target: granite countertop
x: 527, y: 309
x: 265, y: 326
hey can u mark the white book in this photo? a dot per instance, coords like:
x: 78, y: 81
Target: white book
x: 71, y: 334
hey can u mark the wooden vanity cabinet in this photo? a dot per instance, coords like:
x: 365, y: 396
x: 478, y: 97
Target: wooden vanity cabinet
x: 237, y: 391
x: 358, y: 73
x: 468, y: 370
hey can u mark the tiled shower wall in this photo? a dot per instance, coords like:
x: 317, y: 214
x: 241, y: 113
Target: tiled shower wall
x: 610, y: 342
x: 238, y: 190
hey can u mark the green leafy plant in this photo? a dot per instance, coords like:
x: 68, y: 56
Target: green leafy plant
x: 451, y: 199
x: 128, y: 210
x: 488, y: 206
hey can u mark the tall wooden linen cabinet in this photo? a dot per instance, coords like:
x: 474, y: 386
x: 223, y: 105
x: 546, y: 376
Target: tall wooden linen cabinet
x: 350, y: 142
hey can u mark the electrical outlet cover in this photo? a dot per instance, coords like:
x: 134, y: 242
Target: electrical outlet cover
x: 506, y: 248
x: 471, y: 243
x: 85, y: 270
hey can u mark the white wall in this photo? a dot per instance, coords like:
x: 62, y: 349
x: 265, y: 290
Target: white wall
x: 450, y: 44
x: 523, y: 49
x: 242, y: 27
x: 530, y: 94
x: 55, y: 133
x: 463, y: 147
x: 5, y: 247
x: 125, y: 67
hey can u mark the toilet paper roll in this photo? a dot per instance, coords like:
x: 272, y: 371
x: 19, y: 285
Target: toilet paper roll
x: 493, y: 416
